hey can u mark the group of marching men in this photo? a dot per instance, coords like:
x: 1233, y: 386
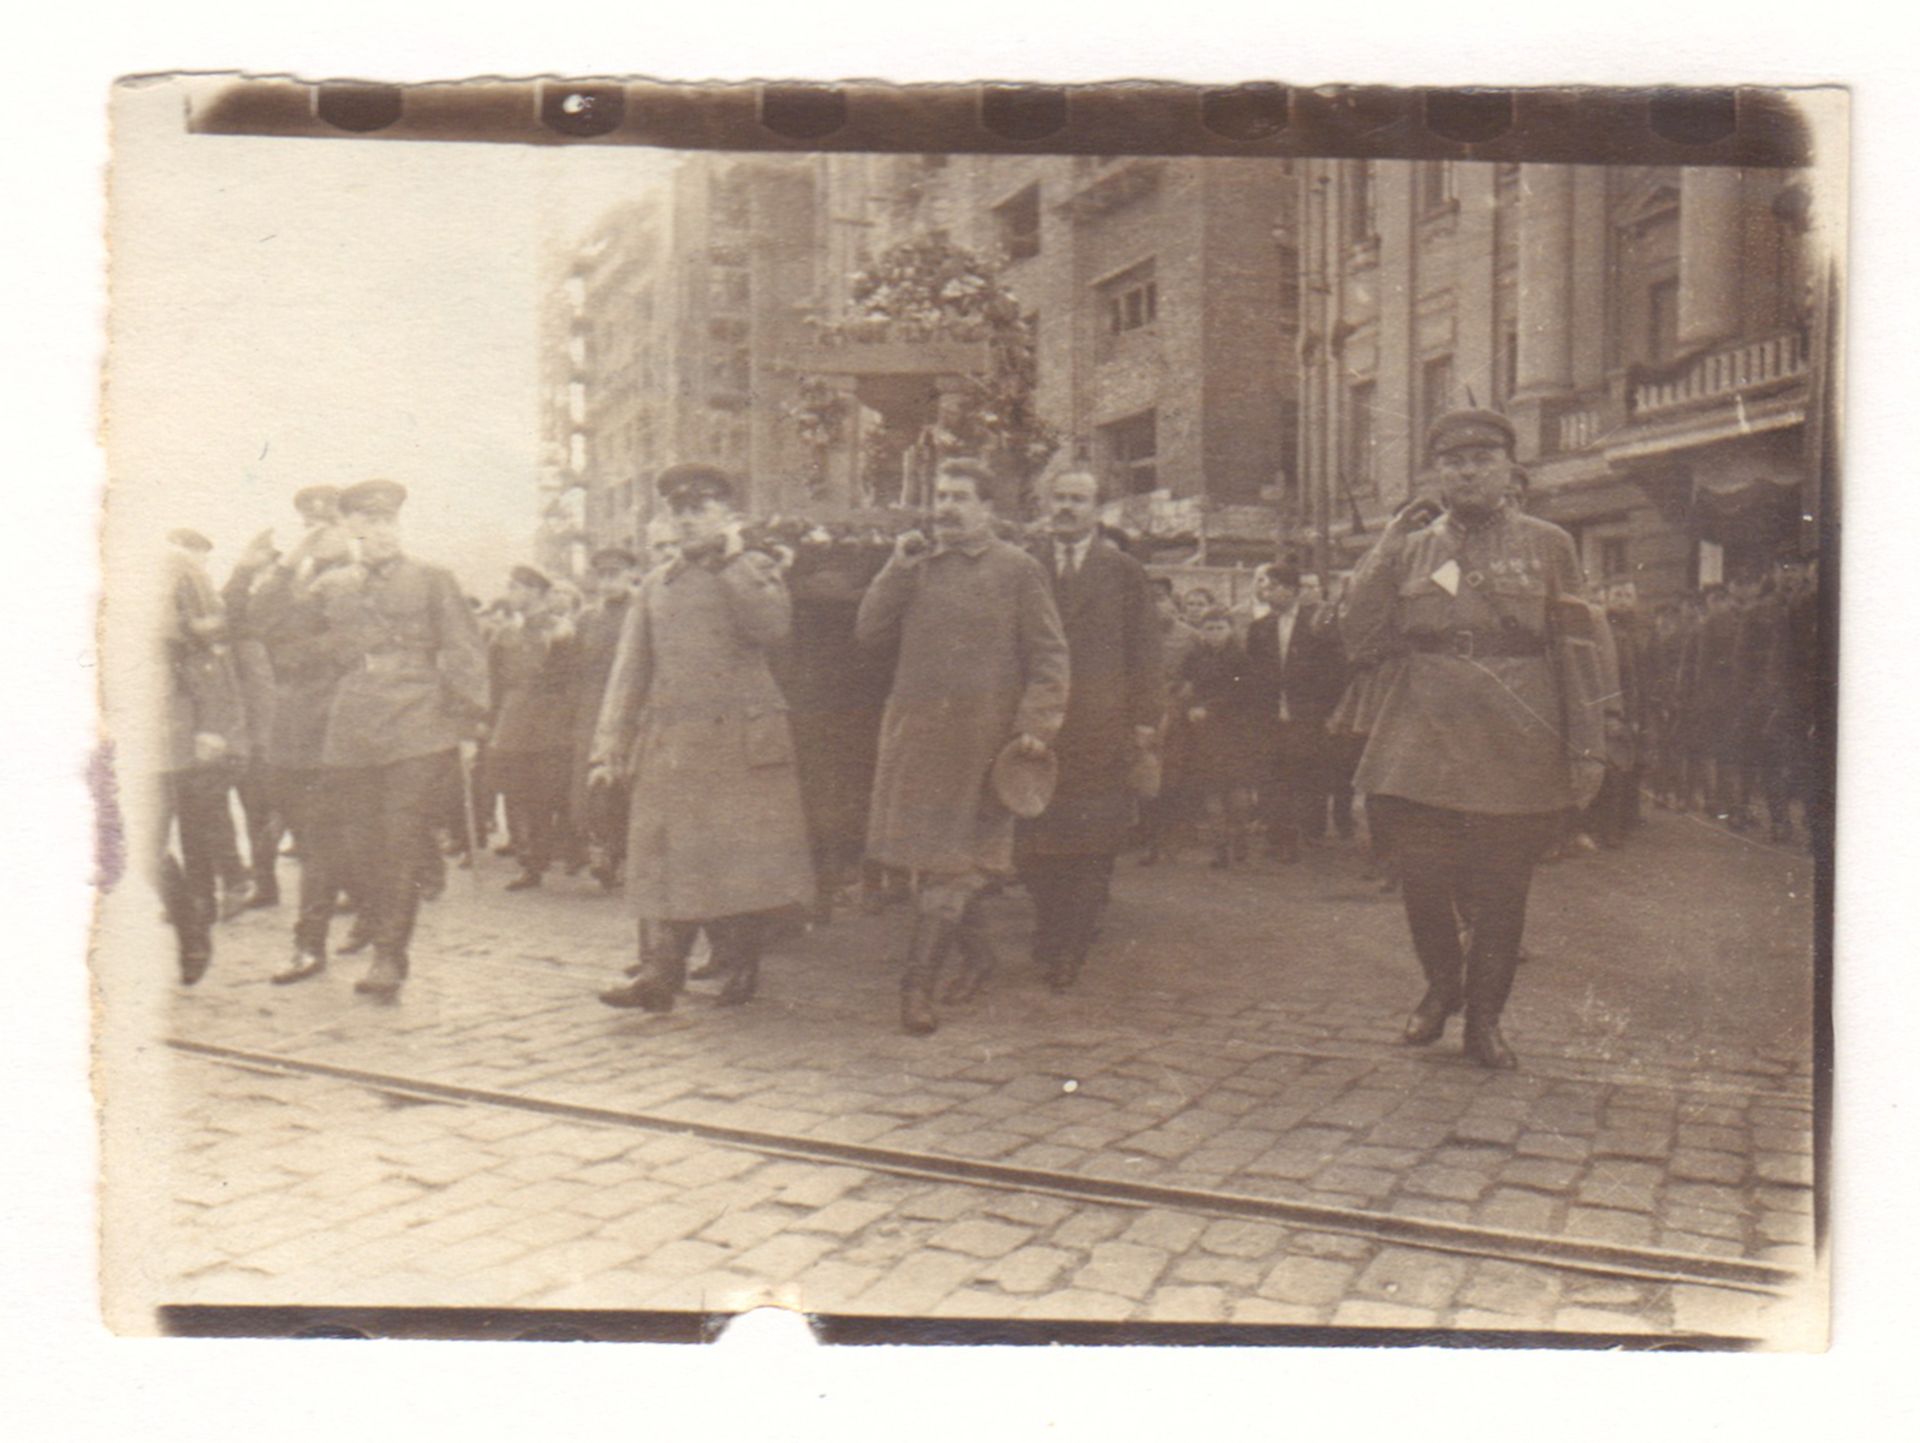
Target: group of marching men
x: 681, y: 734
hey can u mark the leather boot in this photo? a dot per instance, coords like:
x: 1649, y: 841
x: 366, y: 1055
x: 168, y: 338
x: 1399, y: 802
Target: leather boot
x: 977, y: 959
x: 1429, y: 1019
x: 383, y: 979
x: 738, y: 950
x: 1489, y: 980
x: 662, y: 971
x: 304, y: 965
x: 932, y: 940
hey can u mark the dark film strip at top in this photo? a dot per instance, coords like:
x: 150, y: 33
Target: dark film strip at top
x: 1745, y: 126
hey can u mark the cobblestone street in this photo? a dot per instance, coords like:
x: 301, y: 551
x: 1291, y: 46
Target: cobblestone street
x: 1236, y: 1037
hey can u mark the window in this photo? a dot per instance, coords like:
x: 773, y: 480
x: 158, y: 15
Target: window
x: 1360, y: 436
x: 1663, y: 320
x: 1017, y: 223
x: 1436, y: 389
x: 1613, y: 558
x: 1132, y: 299
x: 1363, y: 206
x: 1509, y: 362
x: 1130, y: 446
x: 1436, y: 184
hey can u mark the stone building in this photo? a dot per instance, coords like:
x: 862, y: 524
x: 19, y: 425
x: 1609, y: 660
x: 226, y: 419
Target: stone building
x: 1647, y: 329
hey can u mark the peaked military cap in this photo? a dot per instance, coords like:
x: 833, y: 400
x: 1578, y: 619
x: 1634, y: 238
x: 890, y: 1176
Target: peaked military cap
x: 377, y: 497
x: 1472, y: 426
x: 317, y: 501
x: 530, y: 576
x: 192, y: 540
x: 609, y: 557
x: 692, y: 482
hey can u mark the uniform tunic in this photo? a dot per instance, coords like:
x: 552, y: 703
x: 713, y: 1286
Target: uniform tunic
x: 982, y: 658
x: 417, y: 682
x: 693, y: 713
x: 1466, y: 728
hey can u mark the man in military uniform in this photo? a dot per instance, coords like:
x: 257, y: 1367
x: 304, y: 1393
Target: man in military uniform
x: 288, y: 608
x: 1114, y: 707
x: 982, y: 662
x: 1467, y: 763
x: 692, y: 716
x: 413, y: 694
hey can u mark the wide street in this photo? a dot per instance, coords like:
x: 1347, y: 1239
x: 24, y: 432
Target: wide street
x: 1218, y: 1125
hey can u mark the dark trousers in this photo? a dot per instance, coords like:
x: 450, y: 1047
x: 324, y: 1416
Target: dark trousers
x: 309, y: 800
x: 535, y: 787
x: 1466, y: 871
x: 1341, y: 758
x: 387, y: 824
x: 1612, y: 811
x: 254, y: 786
x: 1068, y: 894
x: 1295, y: 787
x: 606, y: 822
x: 193, y: 804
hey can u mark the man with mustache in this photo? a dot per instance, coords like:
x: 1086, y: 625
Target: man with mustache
x: 1467, y: 764
x: 982, y: 662
x: 1113, y: 712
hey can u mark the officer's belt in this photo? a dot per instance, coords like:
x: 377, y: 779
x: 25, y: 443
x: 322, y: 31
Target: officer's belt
x: 1468, y: 642
x: 382, y: 661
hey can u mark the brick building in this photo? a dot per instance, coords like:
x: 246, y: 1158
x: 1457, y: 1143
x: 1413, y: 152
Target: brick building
x: 1646, y: 328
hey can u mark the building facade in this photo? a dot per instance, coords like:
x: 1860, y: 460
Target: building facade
x: 1646, y: 328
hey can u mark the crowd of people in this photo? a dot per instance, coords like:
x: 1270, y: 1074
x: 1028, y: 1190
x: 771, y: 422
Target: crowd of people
x: 750, y: 723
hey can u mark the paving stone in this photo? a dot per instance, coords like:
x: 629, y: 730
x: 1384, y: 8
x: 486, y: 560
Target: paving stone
x: 940, y: 1204
x: 1613, y: 1143
x: 745, y: 1229
x: 1498, y: 1131
x: 1308, y: 1280
x: 1458, y: 1183
x: 1704, y: 1220
x: 1682, y: 1242
x: 1541, y: 1174
x: 1409, y: 1133
x: 1720, y: 1167
x: 1783, y: 1139
x: 981, y: 1237
x: 1288, y: 1164
x: 1413, y: 1277
x: 1599, y: 1321
x: 1527, y: 1212
x: 1237, y: 1274
x: 1366, y: 1183
x: 1360, y: 1108
x: 1706, y: 1138
x: 917, y: 1282
x: 1266, y: 1310
x: 1780, y: 1167
x: 1512, y: 1290
x: 845, y: 1217
x: 1721, y: 1312
x: 1125, y: 1269
x: 1708, y: 1195
x: 817, y: 1187
x: 1609, y: 1225
x: 1177, y: 1303
x: 1163, y: 1228
x: 1033, y: 1209
x: 1367, y: 1313
x: 713, y: 1165
x: 540, y: 1229
x: 1783, y: 1227
x: 1089, y: 1226
x: 1558, y: 1146
x: 1330, y: 1245
x: 780, y: 1258
x: 1032, y: 1269
x: 1241, y: 1238
x: 1079, y: 1306
x: 832, y: 1284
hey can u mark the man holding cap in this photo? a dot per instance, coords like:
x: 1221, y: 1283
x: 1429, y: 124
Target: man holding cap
x: 982, y: 663
x: 413, y: 692
x: 693, y: 717
x: 1467, y: 764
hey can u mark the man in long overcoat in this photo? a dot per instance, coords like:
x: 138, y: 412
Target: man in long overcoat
x: 1113, y: 712
x: 717, y: 839
x: 982, y: 662
x: 599, y: 814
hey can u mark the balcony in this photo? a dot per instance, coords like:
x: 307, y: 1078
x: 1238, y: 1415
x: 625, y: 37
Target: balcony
x: 1722, y: 373
x: 1572, y: 428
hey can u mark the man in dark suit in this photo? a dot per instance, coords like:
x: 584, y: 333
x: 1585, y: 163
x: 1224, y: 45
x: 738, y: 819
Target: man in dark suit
x: 1297, y: 672
x: 1115, y: 701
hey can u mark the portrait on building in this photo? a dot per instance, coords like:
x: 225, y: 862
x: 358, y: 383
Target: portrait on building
x: 1224, y: 731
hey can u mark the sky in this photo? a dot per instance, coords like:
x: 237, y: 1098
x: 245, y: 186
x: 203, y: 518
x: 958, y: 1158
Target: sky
x: 286, y: 312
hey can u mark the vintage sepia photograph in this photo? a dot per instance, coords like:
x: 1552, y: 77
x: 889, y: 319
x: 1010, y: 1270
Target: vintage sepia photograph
x: 1173, y: 742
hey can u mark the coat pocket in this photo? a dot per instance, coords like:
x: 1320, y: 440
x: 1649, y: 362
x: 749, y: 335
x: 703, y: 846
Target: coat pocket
x: 769, y: 739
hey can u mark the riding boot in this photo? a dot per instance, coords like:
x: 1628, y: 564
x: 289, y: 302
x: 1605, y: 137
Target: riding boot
x: 738, y: 945
x: 383, y: 979
x: 1489, y: 980
x: 977, y: 958
x: 932, y: 939
x: 663, y: 968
